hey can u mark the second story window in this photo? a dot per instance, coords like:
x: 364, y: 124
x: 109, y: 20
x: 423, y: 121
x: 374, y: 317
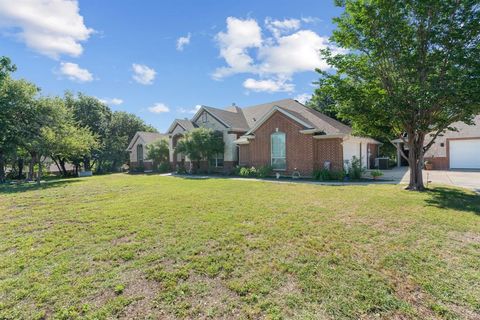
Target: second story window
x: 204, y: 117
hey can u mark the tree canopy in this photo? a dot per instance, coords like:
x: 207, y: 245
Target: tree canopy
x: 201, y: 144
x: 405, y: 69
x: 76, y: 129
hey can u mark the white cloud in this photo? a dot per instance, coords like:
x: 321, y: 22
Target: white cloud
x: 183, y: 41
x: 191, y: 111
x: 275, y: 58
x: 279, y: 27
x: 234, y: 44
x: 293, y: 53
x: 159, y: 108
x: 50, y: 27
x: 143, y: 74
x: 268, y: 85
x: 74, y: 72
x: 303, y: 98
x: 112, y: 101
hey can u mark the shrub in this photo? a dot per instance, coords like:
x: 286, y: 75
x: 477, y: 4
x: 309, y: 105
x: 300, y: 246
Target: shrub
x: 376, y: 173
x: 244, y: 172
x: 355, y: 169
x: 181, y: 170
x: 325, y: 174
x: 264, y: 171
x: 163, y: 167
x: 138, y: 169
x: 321, y: 174
x: 236, y: 170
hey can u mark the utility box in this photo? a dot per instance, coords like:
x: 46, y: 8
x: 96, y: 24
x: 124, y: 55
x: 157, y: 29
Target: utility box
x: 382, y: 163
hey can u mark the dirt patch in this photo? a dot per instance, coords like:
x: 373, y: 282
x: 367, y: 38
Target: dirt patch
x: 210, y: 298
x: 122, y: 240
x: 143, y: 293
x: 464, y: 312
x: 465, y: 238
x: 407, y: 290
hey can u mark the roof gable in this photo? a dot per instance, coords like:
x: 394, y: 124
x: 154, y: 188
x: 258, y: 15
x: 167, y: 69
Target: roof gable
x: 146, y: 137
x: 272, y: 111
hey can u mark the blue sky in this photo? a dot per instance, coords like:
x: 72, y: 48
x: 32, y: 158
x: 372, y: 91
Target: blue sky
x: 160, y: 59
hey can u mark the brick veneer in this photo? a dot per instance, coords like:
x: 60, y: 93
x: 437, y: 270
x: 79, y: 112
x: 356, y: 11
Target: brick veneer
x: 304, y: 153
x: 439, y: 163
x: 147, y: 165
x: 328, y: 150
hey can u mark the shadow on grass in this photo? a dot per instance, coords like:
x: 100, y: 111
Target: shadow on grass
x: 24, y: 187
x: 458, y: 199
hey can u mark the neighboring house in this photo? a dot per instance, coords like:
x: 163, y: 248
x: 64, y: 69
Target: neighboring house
x: 284, y: 134
x: 454, y: 149
x: 138, y: 148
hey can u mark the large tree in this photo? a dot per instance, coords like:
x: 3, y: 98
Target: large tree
x: 201, y: 144
x: 158, y: 152
x: 409, y: 69
x: 91, y: 113
x: 120, y: 131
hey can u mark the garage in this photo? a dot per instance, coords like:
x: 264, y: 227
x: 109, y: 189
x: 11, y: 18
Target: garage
x: 465, y: 154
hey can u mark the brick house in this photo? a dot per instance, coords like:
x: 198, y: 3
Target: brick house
x: 138, y: 148
x: 284, y: 134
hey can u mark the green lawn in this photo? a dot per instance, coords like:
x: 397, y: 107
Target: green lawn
x: 139, y: 246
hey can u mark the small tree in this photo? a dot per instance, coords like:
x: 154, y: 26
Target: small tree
x: 201, y: 144
x: 410, y: 69
x: 158, y: 152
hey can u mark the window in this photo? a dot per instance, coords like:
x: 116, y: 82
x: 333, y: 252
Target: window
x: 217, y: 161
x: 204, y: 117
x: 278, y: 151
x: 139, y: 153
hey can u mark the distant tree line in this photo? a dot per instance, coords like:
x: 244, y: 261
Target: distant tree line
x: 74, y: 129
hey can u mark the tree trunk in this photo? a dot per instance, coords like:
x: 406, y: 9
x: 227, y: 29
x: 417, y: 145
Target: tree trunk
x: 31, y: 166
x: 20, y: 168
x: 86, y: 163
x: 2, y: 167
x: 415, y: 162
x: 56, y: 163
x: 39, y: 176
x: 62, y: 167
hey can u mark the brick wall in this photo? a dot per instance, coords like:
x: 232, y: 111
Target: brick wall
x: 328, y: 150
x: 299, y: 146
x: 439, y: 163
x: 147, y: 165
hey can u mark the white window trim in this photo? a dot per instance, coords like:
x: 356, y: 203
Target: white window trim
x: 271, y: 151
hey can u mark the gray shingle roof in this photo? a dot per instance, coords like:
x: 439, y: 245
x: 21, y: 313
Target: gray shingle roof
x: 233, y: 117
x: 186, y: 124
x: 147, y: 137
x: 316, y: 119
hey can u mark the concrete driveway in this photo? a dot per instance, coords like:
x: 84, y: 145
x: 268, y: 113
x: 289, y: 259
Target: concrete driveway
x: 465, y: 179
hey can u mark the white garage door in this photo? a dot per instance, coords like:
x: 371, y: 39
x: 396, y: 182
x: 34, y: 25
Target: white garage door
x: 465, y: 154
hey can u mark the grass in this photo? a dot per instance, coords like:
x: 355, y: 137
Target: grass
x: 162, y: 247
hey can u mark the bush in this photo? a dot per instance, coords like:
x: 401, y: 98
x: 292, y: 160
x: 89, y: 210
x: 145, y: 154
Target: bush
x: 355, y: 169
x: 376, y: 173
x: 325, y: 174
x: 138, y: 169
x: 182, y: 170
x: 321, y: 174
x: 163, y: 167
x: 264, y: 171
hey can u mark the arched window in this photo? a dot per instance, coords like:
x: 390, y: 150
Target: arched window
x: 139, y: 153
x: 278, y: 151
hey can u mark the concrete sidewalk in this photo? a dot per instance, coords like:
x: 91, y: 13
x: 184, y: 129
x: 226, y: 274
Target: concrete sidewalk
x: 464, y: 179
